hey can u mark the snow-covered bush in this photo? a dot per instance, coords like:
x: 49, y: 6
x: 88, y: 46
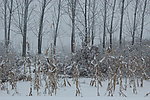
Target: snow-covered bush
x: 7, y: 61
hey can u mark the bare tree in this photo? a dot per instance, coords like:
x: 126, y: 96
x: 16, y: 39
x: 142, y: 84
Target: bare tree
x: 93, y: 22
x: 111, y: 25
x: 19, y: 18
x: 121, y: 23
x: 40, y: 35
x: 10, y: 19
x: 104, y: 27
x: 134, y: 22
x: 89, y: 21
x: 5, y: 22
x: 8, y: 10
x: 57, y: 26
x: 73, y: 15
x: 85, y: 22
x: 143, y: 17
x: 25, y: 17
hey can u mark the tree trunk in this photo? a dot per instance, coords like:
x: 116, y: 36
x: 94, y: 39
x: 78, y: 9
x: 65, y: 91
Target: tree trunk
x: 104, y: 30
x: 85, y: 22
x: 121, y: 23
x: 56, y: 30
x: 5, y: 23
x: 93, y: 23
x: 73, y: 8
x: 134, y: 23
x: 26, y: 4
x: 41, y: 27
x: 9, y: 23
x: 142, y: 25
x: 89, y: 22
x: 111, y: 26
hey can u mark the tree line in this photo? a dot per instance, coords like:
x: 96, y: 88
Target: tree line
x: 88, y: 19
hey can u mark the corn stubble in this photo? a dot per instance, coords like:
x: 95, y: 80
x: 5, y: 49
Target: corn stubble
x: 121, y: 74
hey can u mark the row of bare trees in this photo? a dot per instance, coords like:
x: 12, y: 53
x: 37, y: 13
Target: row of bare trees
x: 86, y: 18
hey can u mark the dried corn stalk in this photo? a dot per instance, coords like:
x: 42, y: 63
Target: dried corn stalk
x: 65, y: 81
x: 37, y: 78
x: 76, y: 78
x: 52, y: 74
x: 52, y: 81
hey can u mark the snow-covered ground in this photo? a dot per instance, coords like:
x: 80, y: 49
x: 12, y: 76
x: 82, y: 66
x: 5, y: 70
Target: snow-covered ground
x: 73, y: 98
x: 68, y: 93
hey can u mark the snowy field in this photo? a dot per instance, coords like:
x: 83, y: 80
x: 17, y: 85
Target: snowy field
x: 68, y: 93
x: 73, y: 98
